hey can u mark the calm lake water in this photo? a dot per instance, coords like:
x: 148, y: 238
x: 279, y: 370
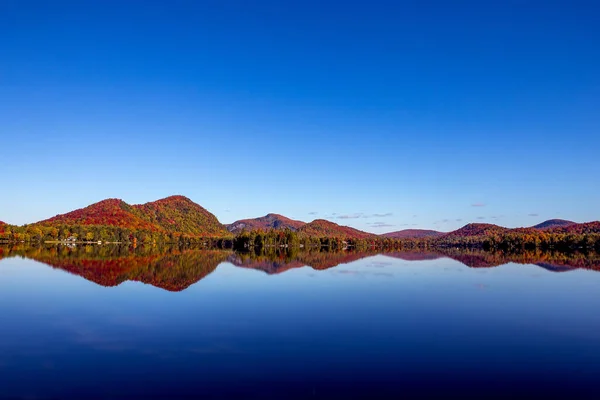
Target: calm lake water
x: 92, y: 323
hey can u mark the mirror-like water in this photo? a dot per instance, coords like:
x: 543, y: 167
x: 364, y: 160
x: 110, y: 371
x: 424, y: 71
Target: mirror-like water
x: 107, y: 322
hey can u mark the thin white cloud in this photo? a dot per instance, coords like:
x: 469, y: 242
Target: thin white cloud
x: 381, y: 225
x: 389, y: 214
x: 350, y: 216
x: 363, y: 215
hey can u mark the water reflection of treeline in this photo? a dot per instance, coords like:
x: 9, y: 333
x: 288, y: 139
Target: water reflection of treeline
x: 175, y: 268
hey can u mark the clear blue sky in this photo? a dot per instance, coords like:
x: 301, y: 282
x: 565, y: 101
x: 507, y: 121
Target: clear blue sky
x: 403, y: 114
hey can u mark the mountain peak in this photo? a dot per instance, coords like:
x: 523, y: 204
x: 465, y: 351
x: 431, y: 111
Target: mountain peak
x: 321, y: 221
x: 273, y: 215
x: 269, y: 221
x: 323, y: 227
x: 477, y: 229
x: 180, y: 214
x: 553, y: 223
x: 108, y: 202
x: 479, y: 225
x: 175, y: 197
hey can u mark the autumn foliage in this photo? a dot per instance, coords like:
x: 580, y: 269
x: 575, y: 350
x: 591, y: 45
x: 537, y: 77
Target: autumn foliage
x: 553, y: 223
x: 110, y: 212
x: 180, y: 214
x: 324, y: 228
x: 269, y: 221
x: 175, y: 215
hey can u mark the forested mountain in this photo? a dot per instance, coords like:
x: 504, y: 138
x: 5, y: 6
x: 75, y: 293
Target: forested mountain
x: 476, y: 230
x: 324, y: 228
x: 480, y: 230
x: 171, y: 214
x: 167, y: 220
x: 576, y: 236
x: 269, y: 221
x: 109, y: 212
x: 553, y: 223
x: 180, y: 214
x: 413, y: 234
x: 580, y: 229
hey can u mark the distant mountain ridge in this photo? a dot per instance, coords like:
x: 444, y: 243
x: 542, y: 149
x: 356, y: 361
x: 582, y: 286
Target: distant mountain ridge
x: 269, y: 221
x: 550, y: 226
x: 476, y: 229
x: 413, y: 234
x: 484, y: 229
x: 316, y: 228
x: 585, y: 228
x: 324, y: 228
x: 554, y: 223
x: 480, y: 232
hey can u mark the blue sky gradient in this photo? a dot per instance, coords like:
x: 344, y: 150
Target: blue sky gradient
x: 378, y: 115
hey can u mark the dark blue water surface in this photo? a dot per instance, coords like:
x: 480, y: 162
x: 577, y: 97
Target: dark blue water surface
x: 381, y: 326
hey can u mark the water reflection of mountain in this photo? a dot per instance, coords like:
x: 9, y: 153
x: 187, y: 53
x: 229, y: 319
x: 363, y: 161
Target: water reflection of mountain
x: 415, y: 255
x: 171, y: 269
x: 271, y: 264
x: 555, y: 268
x: 551, y: 261
x: 175, y: 269
x: 278, y: 262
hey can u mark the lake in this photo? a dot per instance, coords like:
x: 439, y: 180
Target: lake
x: 103, y: 322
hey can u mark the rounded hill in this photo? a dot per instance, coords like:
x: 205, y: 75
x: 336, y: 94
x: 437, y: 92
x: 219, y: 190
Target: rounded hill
x: 324, y: 228
x: 269, y: 221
